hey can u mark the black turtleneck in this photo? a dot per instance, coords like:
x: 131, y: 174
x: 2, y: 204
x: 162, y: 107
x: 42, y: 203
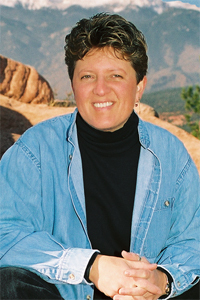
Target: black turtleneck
x: 109, y: 161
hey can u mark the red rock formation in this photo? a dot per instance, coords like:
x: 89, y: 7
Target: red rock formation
x: 23, y: 83
x: 17, y: 116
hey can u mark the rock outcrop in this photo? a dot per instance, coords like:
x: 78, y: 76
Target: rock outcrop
x: 17, y: 116
x: 146, y: 110
x: 23, y: 83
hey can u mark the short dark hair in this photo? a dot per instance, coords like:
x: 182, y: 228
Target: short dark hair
x: 108, y: 30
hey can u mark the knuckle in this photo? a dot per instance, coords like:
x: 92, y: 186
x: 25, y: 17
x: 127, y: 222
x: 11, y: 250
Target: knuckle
x: 145, y: 274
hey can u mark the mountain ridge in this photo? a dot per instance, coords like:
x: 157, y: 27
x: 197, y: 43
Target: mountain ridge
x: 36, y: 38
x: 158, y: 5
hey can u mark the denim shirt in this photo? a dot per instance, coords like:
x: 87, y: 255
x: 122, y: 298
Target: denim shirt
x: 43, y: 219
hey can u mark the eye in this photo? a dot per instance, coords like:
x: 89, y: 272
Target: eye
x: 86, y: 76
x: 117, y: 76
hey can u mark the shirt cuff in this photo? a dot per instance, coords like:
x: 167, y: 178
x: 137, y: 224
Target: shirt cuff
x: 87, y: 271
x: 73, y: 265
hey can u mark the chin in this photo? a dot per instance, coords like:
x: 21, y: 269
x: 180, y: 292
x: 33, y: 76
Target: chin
x: 101, y: 125
x: 107, y: 128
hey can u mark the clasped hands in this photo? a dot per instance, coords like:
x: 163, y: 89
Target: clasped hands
x: 127, y: 278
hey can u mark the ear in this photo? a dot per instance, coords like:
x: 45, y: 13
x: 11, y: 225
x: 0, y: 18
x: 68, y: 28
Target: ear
x: 140, y: 88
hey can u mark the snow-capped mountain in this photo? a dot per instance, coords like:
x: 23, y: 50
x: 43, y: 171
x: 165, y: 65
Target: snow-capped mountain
x: 63, y: 4
x: 179, y: 4
x: 33, y: 33
x: 118, y: 5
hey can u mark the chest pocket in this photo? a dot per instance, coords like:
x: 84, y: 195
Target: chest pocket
x: 159, y: 229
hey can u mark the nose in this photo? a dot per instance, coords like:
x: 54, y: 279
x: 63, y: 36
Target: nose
x: 101, y: 87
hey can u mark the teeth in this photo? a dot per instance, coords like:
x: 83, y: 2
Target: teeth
x: 104, y: 104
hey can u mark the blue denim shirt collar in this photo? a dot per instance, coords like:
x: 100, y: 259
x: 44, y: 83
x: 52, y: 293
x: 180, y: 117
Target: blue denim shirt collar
x: 143, y: 133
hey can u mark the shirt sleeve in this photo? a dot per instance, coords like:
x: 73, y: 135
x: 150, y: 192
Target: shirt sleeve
x: 24, y: 241
x: 180, y: 258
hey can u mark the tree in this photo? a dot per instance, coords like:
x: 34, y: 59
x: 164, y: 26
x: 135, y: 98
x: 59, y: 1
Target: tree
x: 191, y: 96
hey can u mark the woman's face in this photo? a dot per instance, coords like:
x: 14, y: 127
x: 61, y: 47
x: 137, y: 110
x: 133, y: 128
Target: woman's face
x: 105, y: 89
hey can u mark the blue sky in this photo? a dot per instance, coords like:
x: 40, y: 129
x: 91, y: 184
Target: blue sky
x: 196, y: 2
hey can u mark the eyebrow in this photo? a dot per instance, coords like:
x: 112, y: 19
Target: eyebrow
x: 109, y: 70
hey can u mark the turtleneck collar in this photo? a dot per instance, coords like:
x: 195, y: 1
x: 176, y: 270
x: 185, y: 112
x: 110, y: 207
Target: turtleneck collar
x: 109, y: 142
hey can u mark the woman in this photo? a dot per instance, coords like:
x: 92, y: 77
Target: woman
x: 100, y: 204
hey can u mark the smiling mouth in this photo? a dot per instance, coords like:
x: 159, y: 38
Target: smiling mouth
x: 103, y: 104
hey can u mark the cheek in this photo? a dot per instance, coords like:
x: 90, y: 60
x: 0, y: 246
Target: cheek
x: 128, y: 90
x: 129, y: 97
x: 78, y: 95
x: 81, y: 93
x: 132, y: 91
x: 81, y: 100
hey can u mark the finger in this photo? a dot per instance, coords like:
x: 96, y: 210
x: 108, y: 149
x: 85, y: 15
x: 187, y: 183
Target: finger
x: 136, y: 257
x: 141, y: 265
x: 148, y: 295
x: 138, y: 273
x: 134, y: 291
x: 122, y: 297
x: 126, y: 297
x: 141, y: 287
x: 148, y: 286
x: 133, y: 256
x: 130, y: 255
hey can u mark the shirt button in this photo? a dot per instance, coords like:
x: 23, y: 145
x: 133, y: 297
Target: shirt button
x: 70, y: 157
x: 71, y: 276
x: 167, y: 203
x: 178, y: 283
x: 88, y: 297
